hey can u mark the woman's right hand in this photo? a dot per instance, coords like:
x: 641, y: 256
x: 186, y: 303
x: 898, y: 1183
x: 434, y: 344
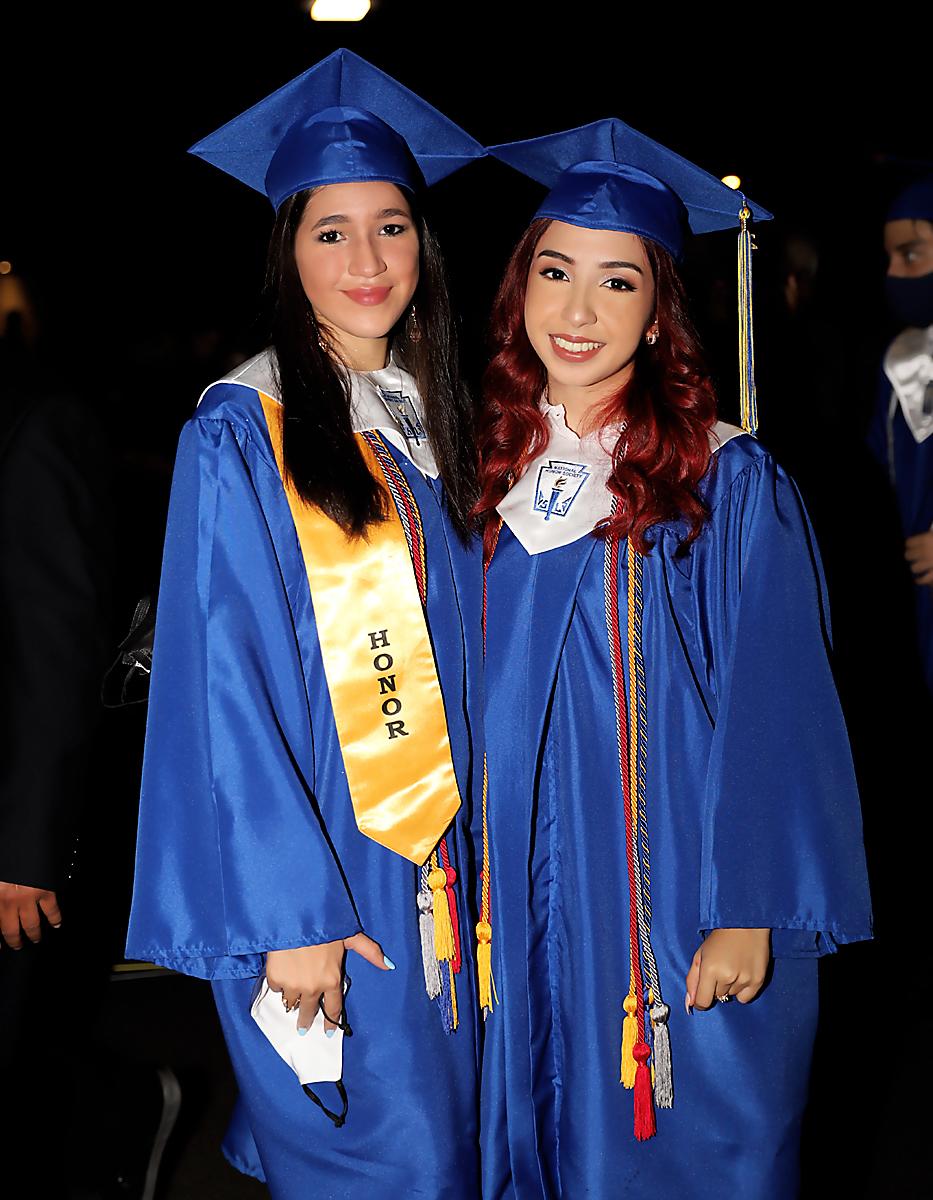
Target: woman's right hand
x: 308, y: 973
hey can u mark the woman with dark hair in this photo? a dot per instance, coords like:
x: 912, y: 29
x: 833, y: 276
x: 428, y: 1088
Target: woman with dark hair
x: 311, y: 743
x: 670, y: 792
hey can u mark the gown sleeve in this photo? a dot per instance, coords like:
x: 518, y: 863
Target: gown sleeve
x: 233, y: 857
x: 782, y: 835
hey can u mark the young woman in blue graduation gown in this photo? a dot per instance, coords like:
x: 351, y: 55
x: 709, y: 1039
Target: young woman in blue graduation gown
x: 252, y: 859
x: 672, y: 819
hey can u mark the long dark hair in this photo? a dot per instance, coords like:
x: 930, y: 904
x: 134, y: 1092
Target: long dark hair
x: 669, y: 404
x: 322, y: 456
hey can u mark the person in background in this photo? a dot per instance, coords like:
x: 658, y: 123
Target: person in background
x: 900, y: 434
x: 55, y: 587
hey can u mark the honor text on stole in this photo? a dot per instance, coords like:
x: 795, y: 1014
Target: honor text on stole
x: 382, y: 663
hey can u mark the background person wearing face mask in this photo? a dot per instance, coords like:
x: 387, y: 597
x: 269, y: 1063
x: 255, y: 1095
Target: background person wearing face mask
x: 901, y: 429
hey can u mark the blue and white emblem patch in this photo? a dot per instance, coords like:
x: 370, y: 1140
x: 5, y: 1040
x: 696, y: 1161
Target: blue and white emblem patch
x: 558, y: 485
x: 405, y: 415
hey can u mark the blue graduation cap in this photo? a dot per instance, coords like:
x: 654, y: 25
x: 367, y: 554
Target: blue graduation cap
x: 914, y: 203
x: 341, y: 121
x: 606, y: 175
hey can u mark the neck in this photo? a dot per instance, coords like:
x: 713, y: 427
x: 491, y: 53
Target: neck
x: 583, y: 405
x: 360, y: 354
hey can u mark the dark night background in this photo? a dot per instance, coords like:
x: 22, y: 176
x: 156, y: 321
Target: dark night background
x: 144, y: 268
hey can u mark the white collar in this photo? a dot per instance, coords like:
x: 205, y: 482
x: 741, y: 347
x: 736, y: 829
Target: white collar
x: 908, y: 364
x: 562, y: 494
x: 386, y: 400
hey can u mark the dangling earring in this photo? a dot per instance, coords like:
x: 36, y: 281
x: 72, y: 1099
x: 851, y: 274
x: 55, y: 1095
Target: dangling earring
x: 652, y: 336
x: 414, y: 333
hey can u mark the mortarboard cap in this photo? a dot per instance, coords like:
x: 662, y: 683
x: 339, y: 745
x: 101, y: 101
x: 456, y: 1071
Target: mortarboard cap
x: 914, y: 203
x: 607, y: 175
x: 341, y: 121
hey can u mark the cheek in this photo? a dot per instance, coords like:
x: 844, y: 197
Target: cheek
x: 402, y: 257
x: 627, y: 316
x: 318, y: 271
x: 536, y: 308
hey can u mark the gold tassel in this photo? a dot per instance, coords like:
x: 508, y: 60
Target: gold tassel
x: 629, y: 1037
x: 748, y: 401
x: 484, y: 964
x: 443, y: 932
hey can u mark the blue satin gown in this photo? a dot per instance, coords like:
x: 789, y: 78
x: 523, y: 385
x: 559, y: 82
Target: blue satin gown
x: 247, y: 839
x: 753, y: 820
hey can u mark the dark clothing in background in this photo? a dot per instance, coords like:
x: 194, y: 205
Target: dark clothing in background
x: 55, y: 576
x: 909, y: 468
x: 55, y: 638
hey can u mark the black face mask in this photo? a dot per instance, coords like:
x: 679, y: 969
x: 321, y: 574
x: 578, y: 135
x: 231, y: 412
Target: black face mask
x: 911, y: 300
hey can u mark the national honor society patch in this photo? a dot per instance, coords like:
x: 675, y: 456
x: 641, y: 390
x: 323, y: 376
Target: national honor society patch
x: 558, y: 485
x: 405, y: 415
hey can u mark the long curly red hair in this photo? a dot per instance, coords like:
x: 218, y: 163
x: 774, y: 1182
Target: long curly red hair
x: 669, y: 405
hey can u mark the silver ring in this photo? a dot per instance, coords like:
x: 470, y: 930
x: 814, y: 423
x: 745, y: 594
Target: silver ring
x: 724, y: 999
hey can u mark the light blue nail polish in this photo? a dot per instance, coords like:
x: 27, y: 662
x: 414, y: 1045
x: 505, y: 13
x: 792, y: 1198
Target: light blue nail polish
x: 329, y: 1032
x: 388, y: 962
x: 302, y: 1032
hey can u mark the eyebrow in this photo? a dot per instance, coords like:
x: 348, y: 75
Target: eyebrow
x: 342, y: 219
x: 911, y: 245
x: 603, y: 266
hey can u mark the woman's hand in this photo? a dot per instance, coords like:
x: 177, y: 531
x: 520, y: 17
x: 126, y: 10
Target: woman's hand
x: 730, y: 962
x: 306, y: 974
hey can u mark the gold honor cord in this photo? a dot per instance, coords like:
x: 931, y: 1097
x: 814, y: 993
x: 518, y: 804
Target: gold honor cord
x: 380, y: 670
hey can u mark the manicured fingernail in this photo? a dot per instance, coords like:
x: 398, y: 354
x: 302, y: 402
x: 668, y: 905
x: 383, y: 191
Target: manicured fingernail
x: 687, y: 1003
x: 302, y: 1032
x: 388, y: 962
x: 58, y: 926
x: 329, y: 1032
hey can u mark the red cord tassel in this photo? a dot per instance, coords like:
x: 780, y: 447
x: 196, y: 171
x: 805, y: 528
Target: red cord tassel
x: 454, y: 921
x: 644, y: 1100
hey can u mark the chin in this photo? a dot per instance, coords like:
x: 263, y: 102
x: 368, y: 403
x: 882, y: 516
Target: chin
x: 578, y: 374
x: 366, y: 323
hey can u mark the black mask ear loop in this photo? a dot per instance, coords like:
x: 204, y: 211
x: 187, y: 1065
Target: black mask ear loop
x: 339, y: 1119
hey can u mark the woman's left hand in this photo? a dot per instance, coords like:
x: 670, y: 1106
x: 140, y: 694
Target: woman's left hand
x: 730, y: 962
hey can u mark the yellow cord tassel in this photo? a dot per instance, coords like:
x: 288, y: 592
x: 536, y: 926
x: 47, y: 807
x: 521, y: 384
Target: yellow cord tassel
x: 629, y: 1038
x: 443, y: 932
x: 484, y: 964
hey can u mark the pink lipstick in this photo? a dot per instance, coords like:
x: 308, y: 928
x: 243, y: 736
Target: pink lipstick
x: 562, y: 345
x: 374, y: 295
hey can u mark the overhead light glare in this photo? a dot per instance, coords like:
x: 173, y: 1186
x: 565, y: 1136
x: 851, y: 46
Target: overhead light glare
x: 340, y: 10
x: 732, y: 181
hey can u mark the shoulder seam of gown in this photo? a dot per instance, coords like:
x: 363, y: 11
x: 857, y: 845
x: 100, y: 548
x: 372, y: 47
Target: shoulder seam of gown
x: 246, y: 425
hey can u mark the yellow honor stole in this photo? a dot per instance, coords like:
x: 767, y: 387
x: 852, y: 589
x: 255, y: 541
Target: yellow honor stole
x: 380, y: 669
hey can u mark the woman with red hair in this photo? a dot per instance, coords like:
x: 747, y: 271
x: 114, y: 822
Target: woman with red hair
x: 670, y: 794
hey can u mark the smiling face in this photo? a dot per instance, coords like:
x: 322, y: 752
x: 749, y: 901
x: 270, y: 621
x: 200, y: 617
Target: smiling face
x: 357, y: 253
x: 588, y: 304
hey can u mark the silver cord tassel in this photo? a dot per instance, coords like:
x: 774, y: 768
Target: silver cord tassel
x: 663, y: 1075
x: 432, y: 977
